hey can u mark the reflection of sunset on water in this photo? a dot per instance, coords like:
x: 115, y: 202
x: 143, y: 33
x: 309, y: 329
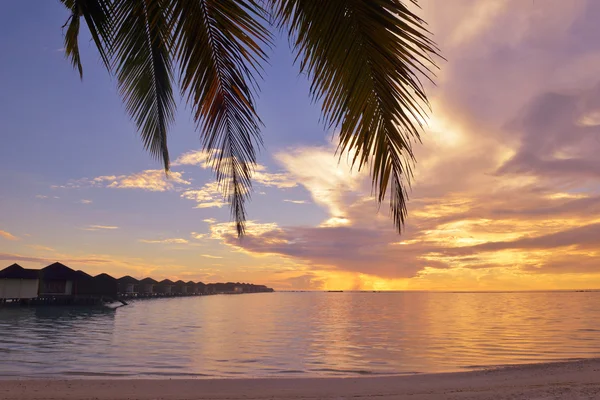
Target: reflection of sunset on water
x: 303, y: 334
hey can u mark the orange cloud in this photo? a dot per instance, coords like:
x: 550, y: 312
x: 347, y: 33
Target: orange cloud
x: 166, y: 241
x: 41, y: 248
x: 153, y: 180
x: 8, y: 235
x: 100, y: 227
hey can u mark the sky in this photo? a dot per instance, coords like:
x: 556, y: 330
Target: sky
x: 506, y: 192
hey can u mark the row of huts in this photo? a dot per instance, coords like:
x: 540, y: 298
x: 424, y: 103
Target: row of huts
x: 58, y: 281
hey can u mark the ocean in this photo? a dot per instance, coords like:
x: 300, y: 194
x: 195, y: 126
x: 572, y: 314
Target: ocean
x: 299, y: 334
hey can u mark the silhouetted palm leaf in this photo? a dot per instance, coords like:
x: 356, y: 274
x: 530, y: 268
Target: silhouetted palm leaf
x: 142, y: 61
x: 363, y: 57
x: 218, y: 45
x: 98, y: 19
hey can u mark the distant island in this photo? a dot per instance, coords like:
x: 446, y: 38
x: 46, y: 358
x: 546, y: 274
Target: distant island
x: 59, y: 284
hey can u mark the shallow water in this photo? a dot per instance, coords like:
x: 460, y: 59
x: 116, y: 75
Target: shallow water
x: 300, y: 334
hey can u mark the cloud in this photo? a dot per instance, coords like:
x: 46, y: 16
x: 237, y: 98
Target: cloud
x: 166, y: 241
x: 278, y: 180
x: 210, y: 256
x: 341, y: 248
x: 308, y: 281
x: 211, y: 194
x: 296, y: 201
x: 208, y: 196
x: 553, y: 143
x: 227, y: 230
x: 330, y: 182
x: 198, y: 236
x: 260, y: 176
x: 41, y: 196
x: 41, y: 248
x: 8, y: 235
x: 18, y: 257
x: 587, y: 236
x: 195, y: 157
x: 42, y: 260
x: 85, y: 201
x: 100, y: 227
x: 153, y: 180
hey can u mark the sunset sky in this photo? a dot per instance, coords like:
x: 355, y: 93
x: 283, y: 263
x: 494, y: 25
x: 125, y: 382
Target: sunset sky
x: 506, y: 193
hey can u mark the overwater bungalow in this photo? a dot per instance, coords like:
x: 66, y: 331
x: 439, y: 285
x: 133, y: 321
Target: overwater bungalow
x: 128, y: 285
x: 165, y: 287
x: 201, y: 288
x: 84, y: 285
x: 17, y: 282
x: 57, y: 280
x: 210, y: 288
x: 224, y: 288
x: 192, y: 287
x: 180, y: 287
x: 147, y: 286
x: 106, y: 286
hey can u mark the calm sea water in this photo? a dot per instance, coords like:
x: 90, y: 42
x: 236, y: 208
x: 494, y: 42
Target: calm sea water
x: 300, y: 334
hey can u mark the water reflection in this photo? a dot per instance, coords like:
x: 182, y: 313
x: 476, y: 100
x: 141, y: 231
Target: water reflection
x: 300, y: 334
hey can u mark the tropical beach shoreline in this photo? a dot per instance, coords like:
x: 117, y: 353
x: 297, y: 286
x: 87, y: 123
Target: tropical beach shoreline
x: 561, y: 380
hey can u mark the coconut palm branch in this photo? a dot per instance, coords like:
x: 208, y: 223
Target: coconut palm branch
x: 364, y: 58
x: 96, y: 14
x: 219, y: 45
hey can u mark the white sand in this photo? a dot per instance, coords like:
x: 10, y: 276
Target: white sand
x: 569, y: 380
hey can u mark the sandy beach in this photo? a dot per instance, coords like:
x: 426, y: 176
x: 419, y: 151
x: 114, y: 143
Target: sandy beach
x: 568, y: 380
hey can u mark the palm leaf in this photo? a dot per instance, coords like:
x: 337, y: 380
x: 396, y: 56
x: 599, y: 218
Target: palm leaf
x: 218, y: 45
x: 72, y: 37
x: 96, y: 13
x: 142, y: 62
x: 364, y: 59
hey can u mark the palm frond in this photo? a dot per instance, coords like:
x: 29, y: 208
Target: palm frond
x: 96, y: 13
x: 218, y: 44
x: 365, y: 59
x: 142, y: 62
x: 72, y: 38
